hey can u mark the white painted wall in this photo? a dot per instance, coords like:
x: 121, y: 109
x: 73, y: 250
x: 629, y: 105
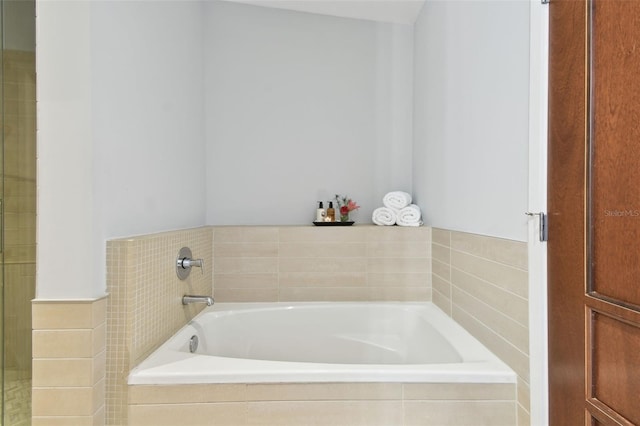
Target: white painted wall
x: 120, y: 132
x: 300, y: 107
x: 297, y: 107
x: 471, y: 116
x: 65, y: 258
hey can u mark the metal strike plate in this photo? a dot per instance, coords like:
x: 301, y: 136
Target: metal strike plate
x: 544, y: 228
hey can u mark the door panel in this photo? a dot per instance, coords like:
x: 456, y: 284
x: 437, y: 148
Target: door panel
x: 615, y: 150
x: 614, y: 374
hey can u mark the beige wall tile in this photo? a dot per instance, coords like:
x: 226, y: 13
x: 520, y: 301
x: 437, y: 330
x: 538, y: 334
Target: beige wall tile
x: 225, y: 295
x: 506, y: 277
x: 397, y: 279
x: 330, y: 413
x: 316, y: 249
x: 323, y: 265
x: 386, y: 265
x: 63, y: 421
x: 462, y: 413
x: 99, y: 312
x: 99, y: 339
x: 442, y: 270
x: 524, y: 418
x: 219, y: 414
x: 441, y: 301
x: 251, y: 265
x: 63, y: 343
x: 400, y: 294
x: 399, y: 249
x: 186, y: 394
x: 441, y: 253
x: 323, y: 279
x: 310, y: 234
x: 503, y: 301
x: 323, y: 294
x: 245, y: 234
x: 460, y: 391
x: 512, y: 331
x: 444, y: 287
x: 64, y: 401
x: 54, y: 315
x: 508, y: 353
x: 245, y: 250
x: 77, y: 372
x: 509, y: 252
x: 441, y: 236
x: 524, y: 395
x: 245, y: 281
x: 323, y: 391
x: 398, y: 233
x: 99, y: 418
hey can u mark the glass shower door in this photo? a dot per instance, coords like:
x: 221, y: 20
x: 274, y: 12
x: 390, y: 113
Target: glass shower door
x: 17, y: 206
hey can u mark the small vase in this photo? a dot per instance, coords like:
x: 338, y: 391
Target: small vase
x: 344, y: 217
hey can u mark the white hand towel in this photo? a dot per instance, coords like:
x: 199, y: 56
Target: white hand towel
x: 384, y: 216
x: 396, y: 200
x: 409, y: 216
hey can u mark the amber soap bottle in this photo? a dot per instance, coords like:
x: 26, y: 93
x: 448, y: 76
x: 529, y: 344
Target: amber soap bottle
x: 331, y: 213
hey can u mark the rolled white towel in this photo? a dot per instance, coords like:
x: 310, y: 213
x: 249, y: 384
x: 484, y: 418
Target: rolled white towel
x: 396, y: 200
x: 384, y: 216
x: 409, y: 216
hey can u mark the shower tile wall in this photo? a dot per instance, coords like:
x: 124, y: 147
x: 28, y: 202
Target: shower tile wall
x: 19, y: 204
x: 482, y: 282
x: 303, y: 263
x: 19, y: 223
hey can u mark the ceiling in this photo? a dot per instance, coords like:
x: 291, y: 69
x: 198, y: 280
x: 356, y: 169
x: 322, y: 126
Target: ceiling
x: 394, y: 11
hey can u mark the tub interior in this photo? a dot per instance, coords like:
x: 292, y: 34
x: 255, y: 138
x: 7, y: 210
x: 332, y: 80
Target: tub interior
x: 354, y: 334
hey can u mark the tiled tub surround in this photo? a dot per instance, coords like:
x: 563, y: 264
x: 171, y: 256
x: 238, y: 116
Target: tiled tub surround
x: 250, y: 263
x: 366, y: 404
x: 145, y: 306
x: 307, y: 263
x: 482, y: 283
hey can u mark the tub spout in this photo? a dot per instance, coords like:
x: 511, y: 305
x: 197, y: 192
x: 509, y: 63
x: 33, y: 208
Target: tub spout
x: 188, y: 299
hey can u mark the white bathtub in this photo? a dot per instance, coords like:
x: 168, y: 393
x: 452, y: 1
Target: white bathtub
x: 322, y: 342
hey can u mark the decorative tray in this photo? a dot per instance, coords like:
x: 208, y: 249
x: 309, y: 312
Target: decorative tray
x: 349, y: 223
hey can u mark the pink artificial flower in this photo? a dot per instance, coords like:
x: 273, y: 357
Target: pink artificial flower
x: 351, y: 205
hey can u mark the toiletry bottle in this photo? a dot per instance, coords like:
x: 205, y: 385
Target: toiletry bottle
x: 331, y: 213
x: 321, y: 213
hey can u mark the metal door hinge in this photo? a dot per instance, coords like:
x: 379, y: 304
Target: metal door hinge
x: 545, y: 1
x: 544, y: 230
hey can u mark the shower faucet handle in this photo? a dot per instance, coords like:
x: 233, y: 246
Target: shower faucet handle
x: 184, y: 263
x: 189, y: 263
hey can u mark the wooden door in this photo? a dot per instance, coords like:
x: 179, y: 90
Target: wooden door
x: 594, y: 212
